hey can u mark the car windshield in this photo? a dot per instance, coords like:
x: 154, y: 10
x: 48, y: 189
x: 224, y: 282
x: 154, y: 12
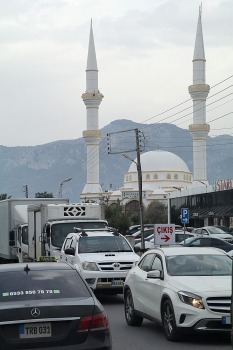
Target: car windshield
x: 199, y: 265
x: 147, y: 233
x: 39, y: 285
x: 100, y: 244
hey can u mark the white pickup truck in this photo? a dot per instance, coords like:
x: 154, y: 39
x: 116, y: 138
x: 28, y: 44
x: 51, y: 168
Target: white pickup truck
x: 103, y: 258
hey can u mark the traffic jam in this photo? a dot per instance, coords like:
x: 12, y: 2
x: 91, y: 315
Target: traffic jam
x: 55, y: 303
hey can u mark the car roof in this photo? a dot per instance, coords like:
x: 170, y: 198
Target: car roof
x: 173, y: 250
x: 34, y: 266
x: 93, y: 233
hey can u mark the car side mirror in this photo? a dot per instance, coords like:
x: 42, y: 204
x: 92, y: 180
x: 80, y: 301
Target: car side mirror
x: 12, y: 243
x: 137, y: 249
x: 70, y: 251
x: 155, y: 274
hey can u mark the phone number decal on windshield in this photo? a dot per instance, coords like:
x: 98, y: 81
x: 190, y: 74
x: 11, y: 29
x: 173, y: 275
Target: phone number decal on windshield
x: 31, y: 292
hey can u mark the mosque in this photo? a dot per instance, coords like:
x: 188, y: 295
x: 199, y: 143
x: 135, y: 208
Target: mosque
x: 164, y: 174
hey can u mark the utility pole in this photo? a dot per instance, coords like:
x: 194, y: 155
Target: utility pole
x: 26, y: 190
x: 139, y: 169
x: 124, y: 145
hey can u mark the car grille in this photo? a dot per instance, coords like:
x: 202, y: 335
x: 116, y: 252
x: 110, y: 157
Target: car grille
x: 219, y: 304
x: 109, y: 280
x: 115, y: 266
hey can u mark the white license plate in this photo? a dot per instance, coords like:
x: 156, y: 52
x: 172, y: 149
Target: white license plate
x: 117, y: 283
x: 35, y: 330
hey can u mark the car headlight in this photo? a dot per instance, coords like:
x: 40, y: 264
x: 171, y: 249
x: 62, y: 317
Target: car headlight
x: 90, y: 266
x: 191, y: 299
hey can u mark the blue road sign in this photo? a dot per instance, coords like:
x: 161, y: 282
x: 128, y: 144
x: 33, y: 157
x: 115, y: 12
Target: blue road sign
x: 184, y: 215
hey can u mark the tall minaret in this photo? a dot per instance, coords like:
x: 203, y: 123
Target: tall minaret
x: 199, y: 92
x: 92, y: 136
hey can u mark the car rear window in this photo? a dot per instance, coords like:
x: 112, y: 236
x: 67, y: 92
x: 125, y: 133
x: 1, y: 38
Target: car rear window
x: 39, y: 285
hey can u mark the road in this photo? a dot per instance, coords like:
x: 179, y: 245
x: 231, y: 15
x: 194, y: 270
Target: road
x: 150, y: 336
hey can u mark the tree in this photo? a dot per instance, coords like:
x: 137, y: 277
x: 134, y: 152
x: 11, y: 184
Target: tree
x: 3, y: 196
x: 117, y: 218
x: 156, y: 213
x: 44, y: 194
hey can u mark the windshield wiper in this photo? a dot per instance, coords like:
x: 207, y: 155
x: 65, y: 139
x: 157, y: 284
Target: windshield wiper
x: 102, y: 251
x: 123, y: 250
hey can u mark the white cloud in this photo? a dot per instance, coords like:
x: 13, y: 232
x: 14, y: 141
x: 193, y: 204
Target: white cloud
x: 144, y: 53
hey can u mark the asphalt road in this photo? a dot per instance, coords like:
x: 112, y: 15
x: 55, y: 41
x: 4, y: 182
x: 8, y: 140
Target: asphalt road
x: 150, y: 336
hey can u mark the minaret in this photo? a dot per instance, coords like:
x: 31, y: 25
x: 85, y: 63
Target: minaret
x: 92, y: 136
x: 199, y: 92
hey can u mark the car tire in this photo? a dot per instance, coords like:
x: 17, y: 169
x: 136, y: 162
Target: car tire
x: 169, y: 322
x: 131, y: 317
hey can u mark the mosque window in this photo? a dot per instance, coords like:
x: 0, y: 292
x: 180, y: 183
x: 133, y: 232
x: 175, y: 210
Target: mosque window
x: 169, y: 177
x: 130, y: 177
x: 147, y: 176
x: 175, y: 176
x: 155, y: 177
x: 127, y: 179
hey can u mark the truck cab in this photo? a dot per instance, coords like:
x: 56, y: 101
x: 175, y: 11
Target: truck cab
x: 48, y: 225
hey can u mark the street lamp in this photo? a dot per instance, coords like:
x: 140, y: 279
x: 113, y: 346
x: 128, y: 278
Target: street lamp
x: 61, y: 184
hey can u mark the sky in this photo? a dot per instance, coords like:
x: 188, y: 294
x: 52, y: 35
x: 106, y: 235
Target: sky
x: 144, y: 52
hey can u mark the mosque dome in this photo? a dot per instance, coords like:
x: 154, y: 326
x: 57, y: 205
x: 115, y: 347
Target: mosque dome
x: 161, y: 170
x: 160, y: 161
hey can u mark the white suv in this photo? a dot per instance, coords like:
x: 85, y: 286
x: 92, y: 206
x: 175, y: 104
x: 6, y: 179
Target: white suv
x: 186, y: 289
x: 103, y: 258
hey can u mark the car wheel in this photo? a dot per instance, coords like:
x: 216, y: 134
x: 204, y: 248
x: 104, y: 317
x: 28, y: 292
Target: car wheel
x: 131, y: 318
x: 169, y: 321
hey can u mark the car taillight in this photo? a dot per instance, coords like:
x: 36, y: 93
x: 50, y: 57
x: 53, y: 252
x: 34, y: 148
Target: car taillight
x: 93, y: 323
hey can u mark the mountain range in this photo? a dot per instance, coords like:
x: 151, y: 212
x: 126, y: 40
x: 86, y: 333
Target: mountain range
x: 44, y: 167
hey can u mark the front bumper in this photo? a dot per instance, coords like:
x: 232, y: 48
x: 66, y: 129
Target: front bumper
x: 201, y: 320
x: 98, y: 280
x: 211, y: 324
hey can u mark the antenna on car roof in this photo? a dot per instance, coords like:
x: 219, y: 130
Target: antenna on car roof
x: 26, y: 269
x: 83, y: 233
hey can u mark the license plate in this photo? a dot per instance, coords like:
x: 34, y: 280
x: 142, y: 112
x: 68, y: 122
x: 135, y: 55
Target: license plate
x: 35, y: 330
x: 226, y: 319
x: 117, y: 283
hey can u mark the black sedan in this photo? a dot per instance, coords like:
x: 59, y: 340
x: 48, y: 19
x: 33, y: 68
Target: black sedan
x: 47, y: 306
x: 207, y: 241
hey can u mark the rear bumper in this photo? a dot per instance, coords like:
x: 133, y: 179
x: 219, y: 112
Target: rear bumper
x: 95, y: 341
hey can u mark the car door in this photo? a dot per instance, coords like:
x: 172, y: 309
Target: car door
x: 66, y: 244
x: 73, y: 244
x: 153, y: 290
x: 70, y: 242
x: 138, y: 281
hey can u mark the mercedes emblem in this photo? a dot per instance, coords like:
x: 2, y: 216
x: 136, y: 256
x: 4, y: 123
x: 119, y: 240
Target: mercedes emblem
x: 35, y: 312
